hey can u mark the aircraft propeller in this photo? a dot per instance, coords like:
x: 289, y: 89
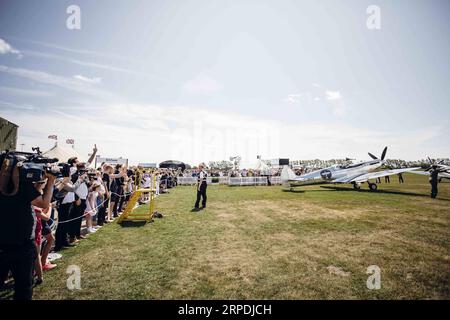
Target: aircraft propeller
x: 383, y: 155
x: 372, y: 156
x: 433, y: 163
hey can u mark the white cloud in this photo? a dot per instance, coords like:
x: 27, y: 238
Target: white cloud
x: 89, y: 64
x: 16, y: 106
x: 95, y: 80
x: 148, y: 133
x: 6, y: 48
x: 333, y: 95
x: 77, y: 51
x: 59, y: 81
x: 294, y: 98
x: 202, y: 84
x: 334, y: 99
x: 25, y: 92
x: 337, y: 102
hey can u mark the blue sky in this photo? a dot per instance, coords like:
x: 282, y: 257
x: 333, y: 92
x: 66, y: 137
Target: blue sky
x: 204, y: 80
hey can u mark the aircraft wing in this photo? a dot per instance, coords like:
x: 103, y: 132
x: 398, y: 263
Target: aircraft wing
x: 426, y: 173
x: 380, y: 174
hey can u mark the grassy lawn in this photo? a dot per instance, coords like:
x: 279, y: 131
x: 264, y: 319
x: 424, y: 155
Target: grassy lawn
x: 264, y: 243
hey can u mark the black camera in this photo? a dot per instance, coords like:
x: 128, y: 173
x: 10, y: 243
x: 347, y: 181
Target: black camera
x: 130, y: 173
x: 92, y: 175
x: 82, y: 171
x: 31, y: 167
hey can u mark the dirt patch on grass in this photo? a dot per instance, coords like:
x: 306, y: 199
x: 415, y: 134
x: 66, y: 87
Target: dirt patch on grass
x: 337, y: 271
x: 282, y: 237
x: 219, y: 268
x: 263, y: 211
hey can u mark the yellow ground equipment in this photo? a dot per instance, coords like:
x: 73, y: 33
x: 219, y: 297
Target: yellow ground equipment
x: 128, y: 214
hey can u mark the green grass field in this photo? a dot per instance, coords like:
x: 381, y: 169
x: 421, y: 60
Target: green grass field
x: 263, y: 243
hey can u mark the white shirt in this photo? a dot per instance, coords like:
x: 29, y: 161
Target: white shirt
x: 69, y: 198
x: 91, y: 204
x: 82, y: 191
x: 147, y: 181
x: 102, y: 186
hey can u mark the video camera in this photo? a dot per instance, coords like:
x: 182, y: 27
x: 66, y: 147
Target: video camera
x: 29, y: 167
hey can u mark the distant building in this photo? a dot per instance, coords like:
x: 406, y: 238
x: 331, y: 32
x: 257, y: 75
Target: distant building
x: 8, y: 135
x: 147, y: 165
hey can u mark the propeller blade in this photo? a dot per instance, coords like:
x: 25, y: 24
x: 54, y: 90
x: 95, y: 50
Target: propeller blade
x: 383, y: 155
x: 441, y: 162
x: 372, y: 156
x: 429, y: 159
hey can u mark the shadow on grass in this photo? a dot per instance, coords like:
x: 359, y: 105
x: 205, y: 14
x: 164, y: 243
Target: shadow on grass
x: 295, y: 191
x: 7, y: 291
x: 133, y: 224
x: 333, y: 188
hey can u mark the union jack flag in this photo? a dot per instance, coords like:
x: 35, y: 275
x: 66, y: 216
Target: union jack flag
x: 70, y: 141
x: 53, y: 137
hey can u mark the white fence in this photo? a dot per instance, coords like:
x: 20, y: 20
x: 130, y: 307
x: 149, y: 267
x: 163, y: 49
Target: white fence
x: 232, y: 181
x: 248, y: 181
x: 187, y: 181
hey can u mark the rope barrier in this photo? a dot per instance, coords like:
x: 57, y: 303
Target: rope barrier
x: 126, y: 194
x: 95, y: 209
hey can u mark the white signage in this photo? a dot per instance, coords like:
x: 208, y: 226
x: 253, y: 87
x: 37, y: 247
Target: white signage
x: 111, y: 160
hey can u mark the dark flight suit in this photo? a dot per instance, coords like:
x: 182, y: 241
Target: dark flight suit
x: 201, y: 189
x: 434, y: 178
x: 17, y: 240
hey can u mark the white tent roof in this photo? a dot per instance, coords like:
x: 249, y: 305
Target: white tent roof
x: 260, y: 165
x: 63, y: 154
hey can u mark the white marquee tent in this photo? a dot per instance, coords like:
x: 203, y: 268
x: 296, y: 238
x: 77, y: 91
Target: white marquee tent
x: 63, y: 154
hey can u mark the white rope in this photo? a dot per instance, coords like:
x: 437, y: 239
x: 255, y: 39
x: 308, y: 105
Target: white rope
x: 91, y: 211
x: 95, y: 209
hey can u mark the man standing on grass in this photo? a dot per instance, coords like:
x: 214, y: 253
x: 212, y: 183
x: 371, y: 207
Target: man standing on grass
x: 201, y: 187
x: 434, y: 179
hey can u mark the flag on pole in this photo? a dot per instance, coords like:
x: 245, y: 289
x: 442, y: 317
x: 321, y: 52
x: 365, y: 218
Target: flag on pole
x: 53, y: 137
x: 70, y: 141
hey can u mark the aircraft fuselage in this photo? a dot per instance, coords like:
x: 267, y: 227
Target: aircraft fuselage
x: 326, y: 175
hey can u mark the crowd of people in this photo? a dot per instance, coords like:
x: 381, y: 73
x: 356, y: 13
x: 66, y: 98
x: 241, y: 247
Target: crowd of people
x: 66, y: 210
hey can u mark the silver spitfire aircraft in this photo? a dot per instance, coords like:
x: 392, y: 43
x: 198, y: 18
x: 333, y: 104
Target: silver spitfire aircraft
x: 444, y: 171
x: 355, y: 174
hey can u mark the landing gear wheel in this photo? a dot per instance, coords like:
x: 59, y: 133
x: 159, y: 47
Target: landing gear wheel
x: 373, y: 186
x: 356, y: 186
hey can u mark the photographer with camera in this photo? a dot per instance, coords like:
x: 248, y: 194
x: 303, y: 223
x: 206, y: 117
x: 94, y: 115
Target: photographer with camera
x: 116, y: 188
x: 18, y: 221
x: 81, y: 194
x: 73, y: 204
x: 67, y: 193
